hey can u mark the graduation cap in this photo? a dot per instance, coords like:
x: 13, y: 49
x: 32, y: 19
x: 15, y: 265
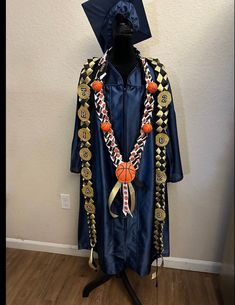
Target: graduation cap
x: 102, y: 13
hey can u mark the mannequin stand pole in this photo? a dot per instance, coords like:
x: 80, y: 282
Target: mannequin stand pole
x: 104, y: 278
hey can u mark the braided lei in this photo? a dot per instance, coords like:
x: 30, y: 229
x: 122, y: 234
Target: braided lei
x: 125, y: 171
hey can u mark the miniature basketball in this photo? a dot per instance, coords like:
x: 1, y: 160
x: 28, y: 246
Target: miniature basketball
x: 106, y: 126
x: 147, y: 128
x: 97, y: 85
x: 152, y: 87
x: 125, y: 172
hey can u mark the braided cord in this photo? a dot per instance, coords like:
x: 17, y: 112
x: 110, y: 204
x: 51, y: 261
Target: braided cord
x: 102, y: 113
x: 85, y: 134
x: 160, y: 157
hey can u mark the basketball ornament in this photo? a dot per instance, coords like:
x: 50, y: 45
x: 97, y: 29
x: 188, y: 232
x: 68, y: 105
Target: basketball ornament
x: 125, y: 173
x: 106, y: 126
x: 147, y: 128
x: 97, y: 85
x: 152, y: 87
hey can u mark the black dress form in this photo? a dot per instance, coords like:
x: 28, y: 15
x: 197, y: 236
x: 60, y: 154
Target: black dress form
x: 123, y: 55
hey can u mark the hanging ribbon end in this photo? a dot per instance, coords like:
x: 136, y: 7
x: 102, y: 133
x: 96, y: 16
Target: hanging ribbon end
x: 131, y: 214
x: 92, y: 262
x: 154, y: 275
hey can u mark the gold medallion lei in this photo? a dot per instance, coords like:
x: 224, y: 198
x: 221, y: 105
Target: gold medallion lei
x: 84, y: 133
x: 163, y: 101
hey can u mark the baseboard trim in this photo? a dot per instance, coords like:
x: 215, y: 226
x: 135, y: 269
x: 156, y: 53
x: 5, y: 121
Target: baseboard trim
x: 45, y: 247
x: 192, y: 264
x: 170, y: 262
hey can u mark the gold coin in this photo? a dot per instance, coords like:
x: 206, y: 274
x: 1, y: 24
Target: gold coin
x: 84, y: 91
x: 160, y: 214
x: 89, y: 207
x: 88, y: 191
x: 162, y: 139
x: 83, y: 114
x: 86, y: 173
x: 84, y: 134
x: 160, y: 177
x: 164, y: 98
x: 85, y: 154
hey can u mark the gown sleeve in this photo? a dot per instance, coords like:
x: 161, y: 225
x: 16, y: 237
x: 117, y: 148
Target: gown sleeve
x: 174, y: 168
x: 75, y: 162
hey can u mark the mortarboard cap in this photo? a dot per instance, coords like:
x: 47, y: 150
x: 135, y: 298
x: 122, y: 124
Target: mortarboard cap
x: 102, y: 13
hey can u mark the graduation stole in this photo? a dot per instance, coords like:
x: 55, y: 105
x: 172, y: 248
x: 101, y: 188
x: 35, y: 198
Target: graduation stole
x: 125, y: 171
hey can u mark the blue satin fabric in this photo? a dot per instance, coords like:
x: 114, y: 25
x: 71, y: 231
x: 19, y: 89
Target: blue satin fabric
x: 125, y: 241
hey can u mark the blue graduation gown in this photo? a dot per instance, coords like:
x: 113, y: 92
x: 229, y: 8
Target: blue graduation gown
x: 125, y: 241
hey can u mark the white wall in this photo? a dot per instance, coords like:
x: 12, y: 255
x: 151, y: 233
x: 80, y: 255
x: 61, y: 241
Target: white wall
x: 47, y: 43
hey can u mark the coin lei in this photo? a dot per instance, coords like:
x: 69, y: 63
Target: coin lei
x: 162, y: 139
x: 85, y: 135
x: 110, y: 140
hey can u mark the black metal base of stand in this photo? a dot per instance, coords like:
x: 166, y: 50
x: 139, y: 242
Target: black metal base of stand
x: 104, y: 278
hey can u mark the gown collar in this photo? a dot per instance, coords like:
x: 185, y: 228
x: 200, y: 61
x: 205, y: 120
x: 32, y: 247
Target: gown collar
x: 114, y: 77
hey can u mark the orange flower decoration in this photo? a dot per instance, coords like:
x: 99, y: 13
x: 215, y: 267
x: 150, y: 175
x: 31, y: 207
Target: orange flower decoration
x: 152, y: 87
x: 97, y: 85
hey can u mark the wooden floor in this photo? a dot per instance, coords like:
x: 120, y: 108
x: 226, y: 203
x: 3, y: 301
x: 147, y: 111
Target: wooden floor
x: 37, y: 278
